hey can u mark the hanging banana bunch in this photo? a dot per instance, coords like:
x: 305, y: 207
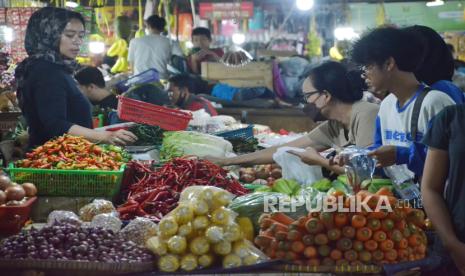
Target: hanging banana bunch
x: 140, y: 32
x: 119, y: 7
x: 97, y: 3
x: 380, y: 15
x: 120, y: 49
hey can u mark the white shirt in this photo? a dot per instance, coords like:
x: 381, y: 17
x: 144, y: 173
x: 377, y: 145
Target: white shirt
x: 150, y: 51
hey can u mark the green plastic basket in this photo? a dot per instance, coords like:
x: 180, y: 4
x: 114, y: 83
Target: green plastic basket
x: 86, y: 183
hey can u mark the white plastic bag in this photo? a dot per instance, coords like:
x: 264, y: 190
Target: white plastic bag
x: 294, y: 168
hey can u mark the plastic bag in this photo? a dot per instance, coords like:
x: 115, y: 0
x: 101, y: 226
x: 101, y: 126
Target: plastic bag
x: 97, y: 207
x: 107, y: 221
x: 140, y: 230
x: 63, y: 216
x: 294, y: 168
x: 358, y: 166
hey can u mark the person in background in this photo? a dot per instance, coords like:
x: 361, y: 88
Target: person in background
x: 92, y: 84
x: 152, y: 50
x: 331, y: 96
x: 437, y: 68
x: 202, y: 39
x: 49, y: 97
x: 443, y: 203
x: 182, y: 90
x: 390, y: 57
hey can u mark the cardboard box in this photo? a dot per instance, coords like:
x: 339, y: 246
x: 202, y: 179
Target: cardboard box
x: 254, y: 74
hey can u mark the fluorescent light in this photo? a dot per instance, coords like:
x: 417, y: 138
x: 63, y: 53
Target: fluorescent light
x: 304, y: 5
x: 7, y: 34
x: 71, y: 4
x: 238, y: 38
x: 345, y: 33
x: 96, y: 47
x: 435, y: 3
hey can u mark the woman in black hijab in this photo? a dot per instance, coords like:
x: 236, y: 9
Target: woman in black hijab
x: 48, y: 95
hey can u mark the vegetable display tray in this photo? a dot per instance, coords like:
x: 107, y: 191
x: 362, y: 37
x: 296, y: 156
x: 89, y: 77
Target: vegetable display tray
x: 154, y: 115
x: 244, y: 133
x: 95, y: 268
x: 85, y: 183
x: 13, y: 218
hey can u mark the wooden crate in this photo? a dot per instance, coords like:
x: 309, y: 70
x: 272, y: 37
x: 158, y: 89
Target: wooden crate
x: 254, y: 74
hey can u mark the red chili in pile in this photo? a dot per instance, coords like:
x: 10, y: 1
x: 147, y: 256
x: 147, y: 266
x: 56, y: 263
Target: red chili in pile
x: 153, y: 194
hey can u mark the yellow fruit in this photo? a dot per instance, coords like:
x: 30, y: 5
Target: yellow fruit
x: 214, y: 234
x: 251, y: 259
x: 185, y: 230
x: 184, y: 214
x: 232, y: 232
x: 199, y: 246
x: 177, y: 244
x: 246, y: 228
x: 206, y: 260
x: 231, y: 261
x: 221, y: 199
x: 200, y: 207
x: 189, y: 262
x: 168, y: 227
x: 168, y: 263
x: 207, y: 196
x: 200, y: 222
x: 221, y: 216
x: 241, y: 249
x: 222, y: 248
x: 157, y: 246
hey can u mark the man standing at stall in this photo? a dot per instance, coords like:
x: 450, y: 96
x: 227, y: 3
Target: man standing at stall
x: 202, y: 39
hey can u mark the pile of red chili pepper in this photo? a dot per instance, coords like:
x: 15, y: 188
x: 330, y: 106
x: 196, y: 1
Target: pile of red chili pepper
x: 153, y: 194
x: 74, y: 153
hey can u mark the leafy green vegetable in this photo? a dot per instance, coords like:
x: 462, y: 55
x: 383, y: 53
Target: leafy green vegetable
x: 147, y: 135
x: 322, y: 185
x: 241, y: 145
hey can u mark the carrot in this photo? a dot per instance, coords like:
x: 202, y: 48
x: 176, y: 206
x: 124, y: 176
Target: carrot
x: 294, y: 235
x: 421, y: 249
x: 277, y: 226
x: 364, y: 234
x: 266, y: 223
x: 371, y: 245
x: 402, y: 254
x: 308, y: 239
x: 299, y: 224
x: 358, y: 246
x: 270, y: 252
x: 350, y: 255
x: 378, y: 255
x: 313, y: 215
x: 414, y: 240
x: 379, y: 236
x: 281, y: 218
x: 395, y: 235
x: 314, y: 226
x: 358, y: 221
x: 263, y: 241
x: 336, y: 254
x: 402, y: 244
x: 327, y: 219
x: 267, y: 232
x: 390, y: 255
x: 291, y: 256
x: 386, y: 245
x: 262, y: 217
x: 334, y: 234
x: 274, y: 244
x: 365, y: 256
x: 321, y: 239
x: 384, y: 191
x: 310, y: 252
x: 374, y: 224
x: 324, y: 250
x: 281, y: 235
x: 344, y: 244
x: 387, y: 225
x: 377, y: 215
x: 284, y: 245
x: 297, y: 246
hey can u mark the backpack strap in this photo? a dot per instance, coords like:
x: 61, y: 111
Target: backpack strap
x: 416, y: 112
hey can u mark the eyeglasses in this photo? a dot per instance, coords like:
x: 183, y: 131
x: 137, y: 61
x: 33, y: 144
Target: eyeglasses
x: 306, y: 96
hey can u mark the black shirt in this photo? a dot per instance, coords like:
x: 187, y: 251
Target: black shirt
x: 52, y: 103
x: 109, y: 101
x: 448, y: 133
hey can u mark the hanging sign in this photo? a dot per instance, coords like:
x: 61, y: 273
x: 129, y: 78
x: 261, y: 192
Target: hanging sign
x: 228, y: 10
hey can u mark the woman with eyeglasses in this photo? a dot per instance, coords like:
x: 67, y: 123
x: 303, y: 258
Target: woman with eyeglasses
x: 335, y: 96
x: 48, y: 95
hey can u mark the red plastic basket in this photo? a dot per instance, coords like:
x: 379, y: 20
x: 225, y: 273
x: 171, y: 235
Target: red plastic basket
x: 13, y: 218
x: 150, y: 114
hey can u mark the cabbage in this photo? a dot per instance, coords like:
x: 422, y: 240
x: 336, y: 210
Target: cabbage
x: 181, y: 143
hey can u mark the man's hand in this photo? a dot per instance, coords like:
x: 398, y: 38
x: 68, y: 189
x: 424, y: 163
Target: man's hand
x: 385, y: 156
x: 202, y: 54
x: 457, y: 252
x: 310, y: 156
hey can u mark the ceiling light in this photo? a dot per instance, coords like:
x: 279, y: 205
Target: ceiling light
x: 304, y: 5
x: 435, y: 3
x: 238, y: 38
x: 96, y: 47
x: 345, y: 33
x: 71, y: 4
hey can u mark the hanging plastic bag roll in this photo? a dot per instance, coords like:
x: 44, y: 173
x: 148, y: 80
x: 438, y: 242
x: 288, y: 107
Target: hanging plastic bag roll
x: 294, y: 168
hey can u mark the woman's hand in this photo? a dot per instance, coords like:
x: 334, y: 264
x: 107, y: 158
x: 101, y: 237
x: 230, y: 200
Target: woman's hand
x: 457, y: 252
x: 310, y: 156
x: 120, y: 137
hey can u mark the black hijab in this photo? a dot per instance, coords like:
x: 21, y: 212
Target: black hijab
x: 42, y: 42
